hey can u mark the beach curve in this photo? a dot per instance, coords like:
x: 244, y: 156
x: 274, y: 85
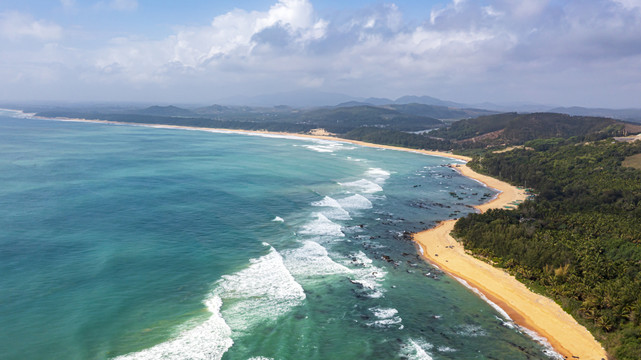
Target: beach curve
x: 527, y: 309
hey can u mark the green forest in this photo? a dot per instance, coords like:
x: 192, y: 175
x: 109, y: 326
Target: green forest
x: 578, y: 240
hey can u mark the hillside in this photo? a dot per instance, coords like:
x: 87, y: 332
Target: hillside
x: 165, y: 111
x: 578, y: 241
x: 344, y: 119
x: 439, y: 112
x: 500, y: 130
x: 516, y: 129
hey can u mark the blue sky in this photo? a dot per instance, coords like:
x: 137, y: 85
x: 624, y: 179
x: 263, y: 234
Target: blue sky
x: 564, y: 52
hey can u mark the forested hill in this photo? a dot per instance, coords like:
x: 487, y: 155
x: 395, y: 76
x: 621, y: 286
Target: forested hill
x: 515, y: 129
x: 344, y: 119
x: 579, y: 240
x: 501, y: 130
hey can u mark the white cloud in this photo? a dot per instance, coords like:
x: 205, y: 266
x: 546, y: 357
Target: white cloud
x: 466, y: 48
x: 229, y: 36
x: 18, y: 26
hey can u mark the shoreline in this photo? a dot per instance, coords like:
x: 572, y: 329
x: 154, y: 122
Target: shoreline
x: 535, y: 313
x: 527, y: 309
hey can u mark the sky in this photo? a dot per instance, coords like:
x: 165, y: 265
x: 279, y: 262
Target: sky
x: 555, y: 52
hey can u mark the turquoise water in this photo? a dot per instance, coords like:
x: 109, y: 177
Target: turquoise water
x: 141, y: 243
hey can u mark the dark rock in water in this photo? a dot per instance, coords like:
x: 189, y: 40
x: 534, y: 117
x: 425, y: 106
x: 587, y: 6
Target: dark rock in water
x: 426, y: 205
x: 387, y: 258
x: 299, y: 316
x: 365, y: 317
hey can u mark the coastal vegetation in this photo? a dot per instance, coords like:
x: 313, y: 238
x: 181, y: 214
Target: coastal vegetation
x: 399, y: 125
x: 578, y: 240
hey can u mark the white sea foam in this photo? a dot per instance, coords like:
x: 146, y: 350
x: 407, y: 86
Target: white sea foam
x: 378, y: 174
x: 446, y: 349
x: 471, y: 331
x: 383, y: 313
x: 363, y: 185
x: 327, y: 146
x: 416, y: 349
x: 322, y: 226
x: 368, y: 276
x: 312, y: 261
x: 356, y: 202
x: 386, y: 317
x: 320, y: 148
x: 209, y: 340
x: 547, y: 347
x: 16, y: 113
x: 278, y: 219
x: 262, y: 292
x: 335, y: 210
x: 488, y: 301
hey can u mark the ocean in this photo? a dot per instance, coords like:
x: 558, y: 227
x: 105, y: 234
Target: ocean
x: 130, y: 242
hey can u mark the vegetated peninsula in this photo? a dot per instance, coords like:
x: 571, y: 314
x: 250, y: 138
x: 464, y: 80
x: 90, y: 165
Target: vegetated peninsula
x: 576, y: 240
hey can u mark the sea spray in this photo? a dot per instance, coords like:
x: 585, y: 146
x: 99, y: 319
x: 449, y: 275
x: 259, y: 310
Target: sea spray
x: 207, y: 341
x: 322, y: 227
x: 262, y: 292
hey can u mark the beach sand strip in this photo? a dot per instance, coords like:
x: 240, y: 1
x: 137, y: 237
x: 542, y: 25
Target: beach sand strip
x: 526, y: 308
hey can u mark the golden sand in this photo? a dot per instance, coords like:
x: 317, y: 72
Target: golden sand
x: 532, y: 311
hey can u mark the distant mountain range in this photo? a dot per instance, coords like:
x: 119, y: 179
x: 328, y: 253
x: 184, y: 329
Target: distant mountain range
x: 283, y: 106
x: 312, y: 98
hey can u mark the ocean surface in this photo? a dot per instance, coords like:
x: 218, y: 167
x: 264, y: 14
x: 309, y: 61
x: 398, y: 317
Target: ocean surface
x: 132, y: 242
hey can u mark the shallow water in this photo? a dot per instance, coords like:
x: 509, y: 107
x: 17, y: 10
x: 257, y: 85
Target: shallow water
x: 138, y: 243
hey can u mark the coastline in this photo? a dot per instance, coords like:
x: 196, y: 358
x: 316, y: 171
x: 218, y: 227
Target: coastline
x: 532, y: 311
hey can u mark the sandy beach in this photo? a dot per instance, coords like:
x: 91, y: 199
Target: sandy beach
x: 527, y: 309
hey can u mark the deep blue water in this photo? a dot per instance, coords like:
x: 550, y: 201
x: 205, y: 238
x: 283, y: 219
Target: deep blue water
x: 154, y: 243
